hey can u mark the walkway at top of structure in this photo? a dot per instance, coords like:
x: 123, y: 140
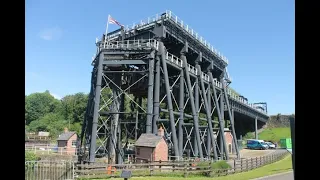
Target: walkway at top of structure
x: 178, y: 63
x: 169, y: 16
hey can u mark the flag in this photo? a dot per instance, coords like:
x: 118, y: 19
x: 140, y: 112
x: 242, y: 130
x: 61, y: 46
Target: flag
x: 113, y: 21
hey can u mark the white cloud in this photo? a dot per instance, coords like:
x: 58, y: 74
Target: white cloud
x: 56, y: 96
x: 51, y: 33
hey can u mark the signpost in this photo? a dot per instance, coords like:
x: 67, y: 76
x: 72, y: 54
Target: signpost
x: 126, y: 174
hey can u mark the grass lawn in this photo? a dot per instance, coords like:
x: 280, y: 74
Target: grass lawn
x: 283, y: 165
x: 275, y: 134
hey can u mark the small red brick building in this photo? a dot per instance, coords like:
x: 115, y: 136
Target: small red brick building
x: 151, y: 147
x: 67, y: 142
x: 229, y: 140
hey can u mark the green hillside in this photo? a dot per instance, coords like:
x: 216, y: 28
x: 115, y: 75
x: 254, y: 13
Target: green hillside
x: 275, y: 134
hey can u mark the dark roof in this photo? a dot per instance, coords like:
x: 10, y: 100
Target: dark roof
x: 65, y: 136
x: 148, y: 140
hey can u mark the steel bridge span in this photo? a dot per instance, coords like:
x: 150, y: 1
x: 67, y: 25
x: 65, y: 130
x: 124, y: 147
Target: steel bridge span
x: 160, y: 72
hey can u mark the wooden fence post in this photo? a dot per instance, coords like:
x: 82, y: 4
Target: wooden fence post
x: 185, y: 169
x: 81, y: 167
x: 112, y: 171
x: 247, y: 168
x: 272, y: 158
x: 256, y: 162
x: 173, y: 167
x: 234, y: 165
x: 241, y: 165
x: 160, y: 165
x: 261, y: 163
x: 151, y: 169
x: 210, y: 169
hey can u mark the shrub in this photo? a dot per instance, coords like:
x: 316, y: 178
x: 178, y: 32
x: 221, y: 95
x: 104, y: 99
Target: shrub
x: 249, y: 135
x: 217, y: 167
x: 220, y: 165
x: 30, y: 156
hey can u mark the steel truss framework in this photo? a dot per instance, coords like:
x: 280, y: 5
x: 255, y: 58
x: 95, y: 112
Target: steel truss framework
x: 137, y: 86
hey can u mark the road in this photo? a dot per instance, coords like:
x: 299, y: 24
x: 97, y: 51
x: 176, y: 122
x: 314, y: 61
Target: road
x: 282, y: 176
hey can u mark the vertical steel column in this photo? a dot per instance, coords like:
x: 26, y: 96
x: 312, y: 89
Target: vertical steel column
x: 169, y: 100
x: 219, y: 112
x: 115, y: 118
x: 196, y: 103
x: 156, y: 103
x: 235, y: 138
x: 194, y: 113
x: 150, y: 94
x: 120, y: 150
x: 256, y: 128
x: 136, y: 127
x: 231, y: 117
x: 222, y: 151
x: 209, y: 136
x: 139, y: 111
x: 96, y: 110
x: 181, y: 108
x: 87, y: 126
x: 120, y: 153
x: 208, y: 113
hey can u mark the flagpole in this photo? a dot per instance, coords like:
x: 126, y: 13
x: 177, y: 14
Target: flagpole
x: 105, y: 37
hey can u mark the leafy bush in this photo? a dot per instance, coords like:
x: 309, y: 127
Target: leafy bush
x: 203, y: 165
x: 249, y: 135
x: 217, y: 167
x: 30, y: 156
x: 220, y: 165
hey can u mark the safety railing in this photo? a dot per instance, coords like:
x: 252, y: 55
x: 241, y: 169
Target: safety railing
x: 51, y: 149
x: 170, y: 15
x: 149, y: 43
x: 144, y: 22
x: 174, y: 59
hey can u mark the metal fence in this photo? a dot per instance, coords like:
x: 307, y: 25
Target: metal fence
x: 50, y: 149
x: 49, y: 170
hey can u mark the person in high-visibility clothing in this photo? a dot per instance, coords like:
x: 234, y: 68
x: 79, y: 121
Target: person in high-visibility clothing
x: 109, y: 170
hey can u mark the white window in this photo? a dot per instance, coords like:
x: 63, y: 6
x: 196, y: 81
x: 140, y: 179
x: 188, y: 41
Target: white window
x: 74, y: 143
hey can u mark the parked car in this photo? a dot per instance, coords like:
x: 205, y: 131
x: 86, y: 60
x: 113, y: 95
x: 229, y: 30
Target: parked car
x: 256, y: 144
x: 271, y: 145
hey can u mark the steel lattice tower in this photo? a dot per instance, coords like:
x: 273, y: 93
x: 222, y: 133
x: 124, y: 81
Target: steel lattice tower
x: 159, y: 72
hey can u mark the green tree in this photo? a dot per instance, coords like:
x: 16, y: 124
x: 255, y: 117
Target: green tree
x: 74, y: 107
x: 38, y: 105
x: 51, y: 122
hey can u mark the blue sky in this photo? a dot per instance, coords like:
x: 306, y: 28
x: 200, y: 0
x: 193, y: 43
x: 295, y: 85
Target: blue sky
x: 256, y: 36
